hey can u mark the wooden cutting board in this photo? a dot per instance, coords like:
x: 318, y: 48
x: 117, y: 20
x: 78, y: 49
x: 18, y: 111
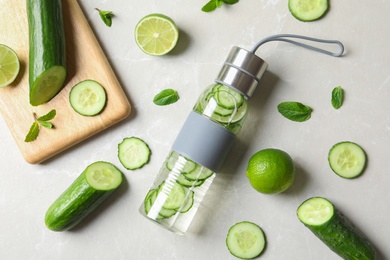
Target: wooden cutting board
x: 85, y: 60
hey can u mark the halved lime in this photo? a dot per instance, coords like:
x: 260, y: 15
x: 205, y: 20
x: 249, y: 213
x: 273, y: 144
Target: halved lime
x: 156, y: 34
x: 9, y: 65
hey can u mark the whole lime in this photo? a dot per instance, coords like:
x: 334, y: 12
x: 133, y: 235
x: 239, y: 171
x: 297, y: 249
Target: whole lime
x: 271, y: 171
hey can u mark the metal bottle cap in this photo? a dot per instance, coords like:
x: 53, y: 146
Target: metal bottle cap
x: 242, y: 70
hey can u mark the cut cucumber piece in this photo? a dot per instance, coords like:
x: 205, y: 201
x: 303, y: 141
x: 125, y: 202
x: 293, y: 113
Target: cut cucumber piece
x: 334, y: 229
x: 245, y: 240
x: 47, y: 57
x: 228, y: 98
x: 234, y: 117
x: 180, y: 163
x: 182, y: 180
x: 88, y: 98
x: 133, y: 153
x: 175, y: 195
x: 88, y: 191
x: 189, y: 201
x: 200, y: 173
x: 308, y: 10
x: 347, y: 159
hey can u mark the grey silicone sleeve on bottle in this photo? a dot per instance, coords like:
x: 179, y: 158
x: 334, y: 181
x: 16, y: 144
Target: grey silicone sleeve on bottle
x: 204, y: 141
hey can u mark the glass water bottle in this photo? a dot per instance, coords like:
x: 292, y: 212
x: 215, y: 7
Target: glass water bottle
x: 203, y: 143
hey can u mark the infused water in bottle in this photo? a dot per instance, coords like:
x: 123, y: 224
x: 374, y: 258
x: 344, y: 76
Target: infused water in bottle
x: 203, y: 143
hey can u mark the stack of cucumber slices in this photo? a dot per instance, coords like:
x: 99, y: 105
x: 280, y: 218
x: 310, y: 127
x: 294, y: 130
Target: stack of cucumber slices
x: 178, y: 190
x: 223, y: 105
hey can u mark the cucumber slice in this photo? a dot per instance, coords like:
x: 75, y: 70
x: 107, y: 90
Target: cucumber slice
x: 334, y: 229
x: 180, y: 163
x: 234, y: 117
x: 182, y: 180
x: 189, y: 201
x: 245, y: 240
x: 228, y: 98
x: 199, y: 174
x: 175, y: 195
x: 133, y: 153
x: 347, y: 159
x: 88, y: 191
x: 88, y: 98
x: 308, y: 10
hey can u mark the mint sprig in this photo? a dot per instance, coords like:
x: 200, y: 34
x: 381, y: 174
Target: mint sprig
x: 214, y: 4
x: 106, y: 16
x: 33, y: 133
x: 295, y: 111
x: 166, y: 97
x: 337, y: 97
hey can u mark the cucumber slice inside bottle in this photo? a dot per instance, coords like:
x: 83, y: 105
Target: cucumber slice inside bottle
x: 245, y: 240
x: 347, y: 159
x: 175, y: 195
x: 88, y: 98
x: 308, y: 10
x: 184, y: 165
x: 200, y: 173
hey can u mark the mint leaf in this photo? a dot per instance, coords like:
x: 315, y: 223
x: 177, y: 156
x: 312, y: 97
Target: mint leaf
x: 48, y: 116
x: 35, y: 127
x: 33, y: 133
x: 106, y: 16
x: 337, y: 97
x: 166, y: 97
x: 212, y: 5
x: 230, y: 2
x: 295, y: 111
x: 46, y: 124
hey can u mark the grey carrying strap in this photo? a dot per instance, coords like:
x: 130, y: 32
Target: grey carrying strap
x: 285, y: 38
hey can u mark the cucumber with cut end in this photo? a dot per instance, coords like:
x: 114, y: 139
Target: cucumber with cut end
x: 245, y: 240
x: 88, y: 191
x: 347, y: 159
x: 88, y: 98
x: 334, y: 229
x: 47, y: 57
x: 133, y: 153
x: 200, y: 173
x: 308, y: 10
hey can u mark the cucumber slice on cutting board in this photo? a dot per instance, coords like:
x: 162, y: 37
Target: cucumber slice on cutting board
x: 88, y: 98
x: 88, y: 191
x: 334, y: 229
x: 308, y: 10
x: 347, y: 159
x: 47, y: 57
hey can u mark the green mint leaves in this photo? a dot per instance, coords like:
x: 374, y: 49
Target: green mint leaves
x: 337, y: 97
x: 295, y: 111
x: 214, y: 4
x: 106, y: 16
x: 166, y: 97
x: 40, y: 121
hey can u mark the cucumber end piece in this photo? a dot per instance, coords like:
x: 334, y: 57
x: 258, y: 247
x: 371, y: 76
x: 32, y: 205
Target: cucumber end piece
x: 47, y: 85
x: 315, y: 211
x: 103, y: 176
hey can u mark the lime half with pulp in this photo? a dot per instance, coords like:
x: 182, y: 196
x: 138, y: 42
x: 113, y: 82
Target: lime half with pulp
x: 156, y: 34
x: 9, y: 65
